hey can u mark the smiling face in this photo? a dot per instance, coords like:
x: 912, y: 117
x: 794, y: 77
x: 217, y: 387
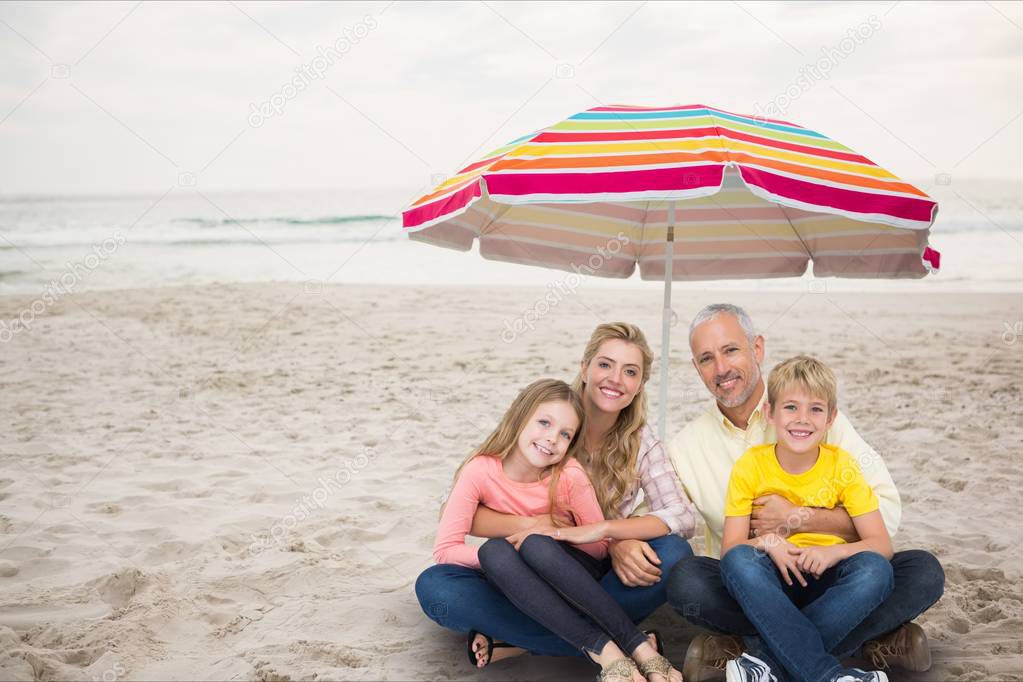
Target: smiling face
x: 800, y: 419
x: 613, y: 377
x: 547, y: 435
x: 728, y: 363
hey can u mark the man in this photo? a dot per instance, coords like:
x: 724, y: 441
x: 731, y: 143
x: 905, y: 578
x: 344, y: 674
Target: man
x: 727, y: 354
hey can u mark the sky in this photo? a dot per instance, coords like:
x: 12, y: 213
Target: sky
x: 136, y: 98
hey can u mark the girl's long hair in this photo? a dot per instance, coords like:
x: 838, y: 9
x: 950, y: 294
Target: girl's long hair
x: 504, y: 439
x: 612, y: 467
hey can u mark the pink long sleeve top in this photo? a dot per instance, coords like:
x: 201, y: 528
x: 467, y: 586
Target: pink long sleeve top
x: 482, y: 481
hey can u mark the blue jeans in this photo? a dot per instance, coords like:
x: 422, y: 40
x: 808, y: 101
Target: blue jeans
x: 800, y: 625
x: 461, y: 599
x: 696, y: 592
x: 553, y: 584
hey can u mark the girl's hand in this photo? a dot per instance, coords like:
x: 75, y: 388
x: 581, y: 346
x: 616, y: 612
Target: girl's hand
x: 780, y: 551
x: 816, y: 560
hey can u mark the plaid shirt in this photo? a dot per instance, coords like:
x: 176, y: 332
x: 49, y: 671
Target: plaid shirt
x: 661, y: 488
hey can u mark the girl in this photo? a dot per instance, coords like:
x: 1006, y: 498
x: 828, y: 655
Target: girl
x: 526, y: 468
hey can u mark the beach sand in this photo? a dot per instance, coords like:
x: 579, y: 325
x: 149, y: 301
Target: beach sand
x: 242, y: 481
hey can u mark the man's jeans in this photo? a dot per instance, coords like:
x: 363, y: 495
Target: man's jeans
x: 800, y: 625
x: 696, y: 592
x: 460, y: 599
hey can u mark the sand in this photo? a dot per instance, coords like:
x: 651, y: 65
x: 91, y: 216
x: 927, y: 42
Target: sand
x: 242, y: 481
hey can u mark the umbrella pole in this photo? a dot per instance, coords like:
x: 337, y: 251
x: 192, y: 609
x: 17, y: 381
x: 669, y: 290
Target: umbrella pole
x: 662, y: 400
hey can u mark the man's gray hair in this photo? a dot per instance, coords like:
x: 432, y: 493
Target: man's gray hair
x: 715, y: 309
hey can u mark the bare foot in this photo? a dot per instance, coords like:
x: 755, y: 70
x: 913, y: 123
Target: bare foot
x: 484, y: 656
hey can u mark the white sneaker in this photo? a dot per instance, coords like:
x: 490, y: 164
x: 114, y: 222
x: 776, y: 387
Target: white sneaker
x: 748, y: 668
x: 862, y: 676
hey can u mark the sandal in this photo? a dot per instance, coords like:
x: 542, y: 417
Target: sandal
x: 658, y: 644
x: 490, y: 648
x: 619, y: 670
x: 656, y: 664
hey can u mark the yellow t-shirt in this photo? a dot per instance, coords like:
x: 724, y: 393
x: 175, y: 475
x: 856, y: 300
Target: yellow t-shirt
x: 834, y: 480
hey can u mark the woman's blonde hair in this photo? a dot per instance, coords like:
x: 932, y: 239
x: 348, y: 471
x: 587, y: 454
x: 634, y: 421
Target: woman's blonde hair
x: 503, y: 440
x: 612, y: 468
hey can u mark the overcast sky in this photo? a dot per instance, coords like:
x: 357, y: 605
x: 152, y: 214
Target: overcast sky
x: 135, y: 97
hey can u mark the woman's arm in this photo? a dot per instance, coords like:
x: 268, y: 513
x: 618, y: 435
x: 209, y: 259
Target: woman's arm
x: 488, y: 523
x: 663, y: 492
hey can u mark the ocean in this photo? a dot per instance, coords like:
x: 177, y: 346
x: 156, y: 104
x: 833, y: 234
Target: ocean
x: 320, y: 237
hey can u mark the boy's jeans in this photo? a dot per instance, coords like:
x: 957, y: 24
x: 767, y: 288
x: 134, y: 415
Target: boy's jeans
x: 696, y: 592
x: 461, y: 599
x: 800, y: 625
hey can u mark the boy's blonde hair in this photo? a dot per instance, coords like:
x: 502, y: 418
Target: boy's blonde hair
x: 808, y: 373
x: 503, y: 440
x: 612, y: 468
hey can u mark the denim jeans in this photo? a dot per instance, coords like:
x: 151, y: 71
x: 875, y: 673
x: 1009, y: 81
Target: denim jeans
x: 696, y: 592
x: 800, y: 625
x: 461, y: 599
x: 550, y: 583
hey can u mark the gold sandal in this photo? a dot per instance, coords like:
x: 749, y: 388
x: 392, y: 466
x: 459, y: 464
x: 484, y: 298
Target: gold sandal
x: 656, y: 665
x: 620, y: 669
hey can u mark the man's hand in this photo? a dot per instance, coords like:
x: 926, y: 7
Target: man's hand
x: 775, y: 514
x: 635, y: 563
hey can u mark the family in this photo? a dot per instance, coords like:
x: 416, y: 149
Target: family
x: 799, y: 511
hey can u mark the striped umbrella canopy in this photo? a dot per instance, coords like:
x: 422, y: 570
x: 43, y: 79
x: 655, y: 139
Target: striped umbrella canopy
x: 686, y: 192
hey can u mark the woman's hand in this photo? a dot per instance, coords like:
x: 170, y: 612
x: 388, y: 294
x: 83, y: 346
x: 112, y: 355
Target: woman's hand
x: 780, y: 551
x: 816, y: 560
x: 576, y: 535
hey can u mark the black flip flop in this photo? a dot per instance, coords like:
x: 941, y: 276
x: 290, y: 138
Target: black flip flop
x: 658, y: 644
x: 490, y: 648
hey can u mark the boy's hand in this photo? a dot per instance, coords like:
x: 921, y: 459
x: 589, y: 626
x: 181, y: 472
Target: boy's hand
x: 780, y: 551
x: 816, y: 560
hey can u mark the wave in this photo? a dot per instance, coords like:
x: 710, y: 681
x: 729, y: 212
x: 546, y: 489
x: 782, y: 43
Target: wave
x: 289, y: 220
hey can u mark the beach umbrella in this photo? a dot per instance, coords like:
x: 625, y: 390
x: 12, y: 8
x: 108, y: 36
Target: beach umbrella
x: 686, y: 192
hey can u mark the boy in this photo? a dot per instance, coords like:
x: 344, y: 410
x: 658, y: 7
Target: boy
x: 799, y: 619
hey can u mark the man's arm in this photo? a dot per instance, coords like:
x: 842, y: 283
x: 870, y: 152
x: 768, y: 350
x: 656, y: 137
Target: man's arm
x: 775, y: 514
x: 873, y: 467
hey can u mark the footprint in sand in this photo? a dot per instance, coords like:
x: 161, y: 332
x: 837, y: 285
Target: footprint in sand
x: 952, y: 484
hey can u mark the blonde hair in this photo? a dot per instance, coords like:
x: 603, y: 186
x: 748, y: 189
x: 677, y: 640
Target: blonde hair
x: 504, y: 439
x: 808, y: 373
x: 612, y: 468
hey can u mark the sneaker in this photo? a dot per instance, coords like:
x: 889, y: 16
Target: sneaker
x: 748, y: 668
x: 905, y: 647
x: 857, y: 675
x: 707, y: 656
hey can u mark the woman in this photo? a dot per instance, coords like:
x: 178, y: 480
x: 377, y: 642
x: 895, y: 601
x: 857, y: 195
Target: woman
x: 621, y: 456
